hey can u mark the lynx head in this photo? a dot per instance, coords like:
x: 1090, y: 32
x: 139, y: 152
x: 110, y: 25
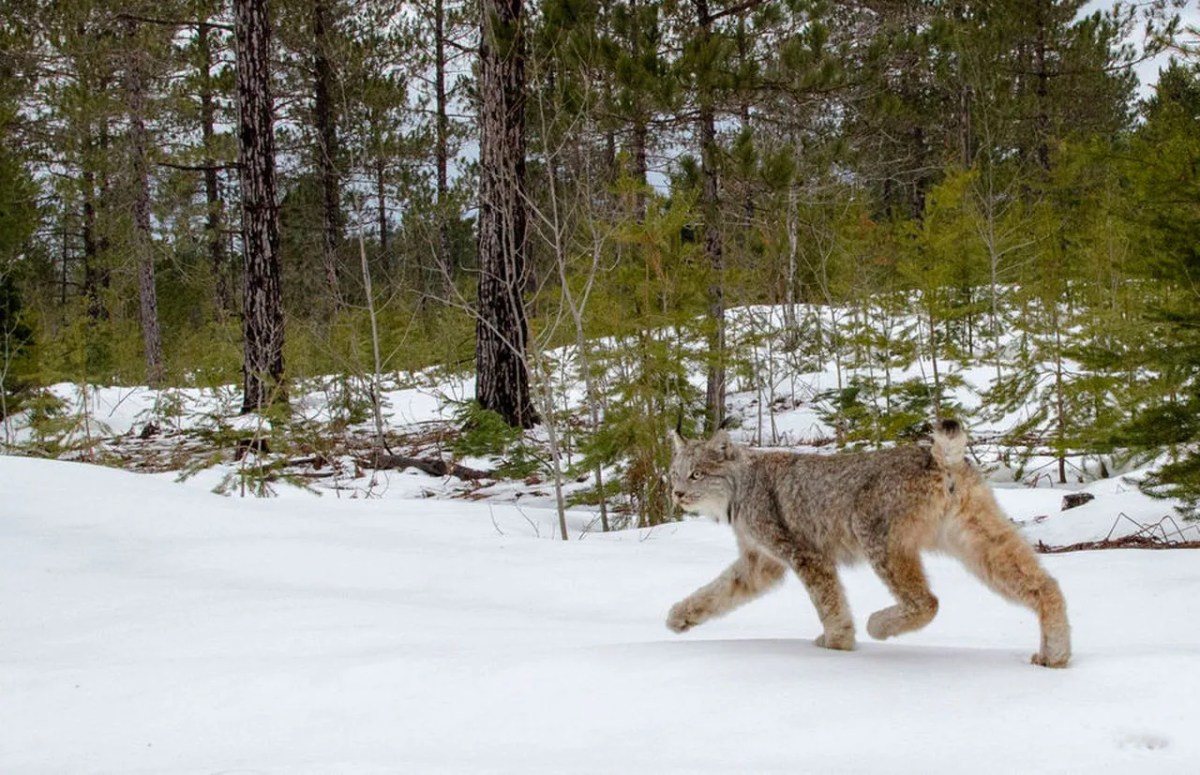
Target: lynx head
x: 704, y: 474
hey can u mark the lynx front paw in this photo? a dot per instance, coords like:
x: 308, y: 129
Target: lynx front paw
x: 682, y: 617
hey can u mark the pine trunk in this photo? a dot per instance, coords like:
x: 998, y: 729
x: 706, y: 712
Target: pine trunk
x: 442, y: 148
x: 92, y: 276
x: 263, y: 313
x: 96, y: 275
x: 502, y: 375
x: 710, y: 204
x: 142, y: 241
x: 214, y: 206
x: 640, y: 131
x: 381, y: 200
x: 327, y: 148
x: 640, y: 169
x: 1043, y: 91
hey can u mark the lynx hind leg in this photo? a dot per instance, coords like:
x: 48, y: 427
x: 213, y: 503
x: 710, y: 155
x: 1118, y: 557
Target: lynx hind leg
x: 915, y: 607
x: 825, y: 590
x: 752, y: 574
x: 989, y: 545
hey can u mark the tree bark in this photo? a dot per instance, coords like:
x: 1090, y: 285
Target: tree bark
x: 96, y: 276
x: 262, y: 322
x: 214, y: 206
x: 710, y: 205
x: 640, y: 132
x: 325, y: 121
x: 442, y: 147
x: 1042, y: 91
x: 92, y: 274
x: 502, y: 332
x: 381, y: 200
x: 640, y: 171
x: 142, y: 240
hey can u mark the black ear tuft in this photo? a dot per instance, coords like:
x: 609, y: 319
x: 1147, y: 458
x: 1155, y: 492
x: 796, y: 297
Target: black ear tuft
x: 679, y: 422
x: 726, y: 424
x: 950, y: 428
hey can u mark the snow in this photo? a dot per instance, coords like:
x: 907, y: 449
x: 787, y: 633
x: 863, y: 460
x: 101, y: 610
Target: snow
x: 148, y: 626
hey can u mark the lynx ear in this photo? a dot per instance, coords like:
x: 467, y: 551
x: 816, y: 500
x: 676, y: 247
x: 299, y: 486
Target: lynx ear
x: 677, y: 442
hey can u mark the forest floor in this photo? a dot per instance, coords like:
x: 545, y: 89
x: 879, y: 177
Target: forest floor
x: 197, y: 436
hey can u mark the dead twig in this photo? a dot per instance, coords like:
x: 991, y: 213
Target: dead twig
x: 1148, y: 536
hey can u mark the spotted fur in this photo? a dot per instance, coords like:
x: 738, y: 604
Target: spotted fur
x: 811, y: 513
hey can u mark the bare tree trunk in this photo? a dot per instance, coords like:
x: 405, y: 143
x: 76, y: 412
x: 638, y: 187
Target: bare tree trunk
x: 916, y: 203
x: 993, y: 279
x: 746, y: 128
x: 1043, y: 90
x: 325, y: 121
x: 381, y: 199
x: 263, y: 311
x: 502, y: 333
x: 95, y: 186
x: 793, y: 236
x: 710, y: 204
x: 92, y: 274
x: 933, y: 357
x: 1060, y: 411
x: 442, y: 147
x: 142, y: 239
x: 215, y: 207
x: 65, y: 259
x: 97, y: 276
x: 376, y: 358
x: 640, y: 169
x: 640, y: 132
x: 964, y: 112
x: 590, y: 389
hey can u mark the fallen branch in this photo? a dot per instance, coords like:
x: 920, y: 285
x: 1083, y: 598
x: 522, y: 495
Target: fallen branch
x: 315, y: 461
x: 433, y: 467
x: 1148, y: 536
x: 1128, y: 542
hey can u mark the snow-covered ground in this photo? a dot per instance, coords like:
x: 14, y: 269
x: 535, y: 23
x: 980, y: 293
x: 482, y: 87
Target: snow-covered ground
x: 154, y: 627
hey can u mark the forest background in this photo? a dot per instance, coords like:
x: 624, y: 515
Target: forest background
x: 199, y: 193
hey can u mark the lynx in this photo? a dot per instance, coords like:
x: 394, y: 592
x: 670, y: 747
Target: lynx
x: 812, y: 512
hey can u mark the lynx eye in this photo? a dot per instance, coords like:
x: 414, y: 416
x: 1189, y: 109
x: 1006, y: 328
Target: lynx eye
x: 694, y: 475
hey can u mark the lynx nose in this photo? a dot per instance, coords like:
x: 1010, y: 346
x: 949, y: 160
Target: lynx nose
x: 678, y: 494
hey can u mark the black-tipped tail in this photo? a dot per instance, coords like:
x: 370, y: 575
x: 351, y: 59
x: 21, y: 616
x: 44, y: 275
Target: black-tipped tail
x: 949, y: 443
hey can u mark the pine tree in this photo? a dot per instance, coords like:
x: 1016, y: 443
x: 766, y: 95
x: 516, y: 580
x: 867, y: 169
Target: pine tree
x: 18, y: 219
x: 262, y: 298
x: 137, y: 83
x: 325, y: 16
x: 502, y: 332
x: 708, y: 61
x: 208, y: 87
x: 1165, y: 168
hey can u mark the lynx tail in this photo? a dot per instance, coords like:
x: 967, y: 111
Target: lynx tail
x: 949, y: 444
